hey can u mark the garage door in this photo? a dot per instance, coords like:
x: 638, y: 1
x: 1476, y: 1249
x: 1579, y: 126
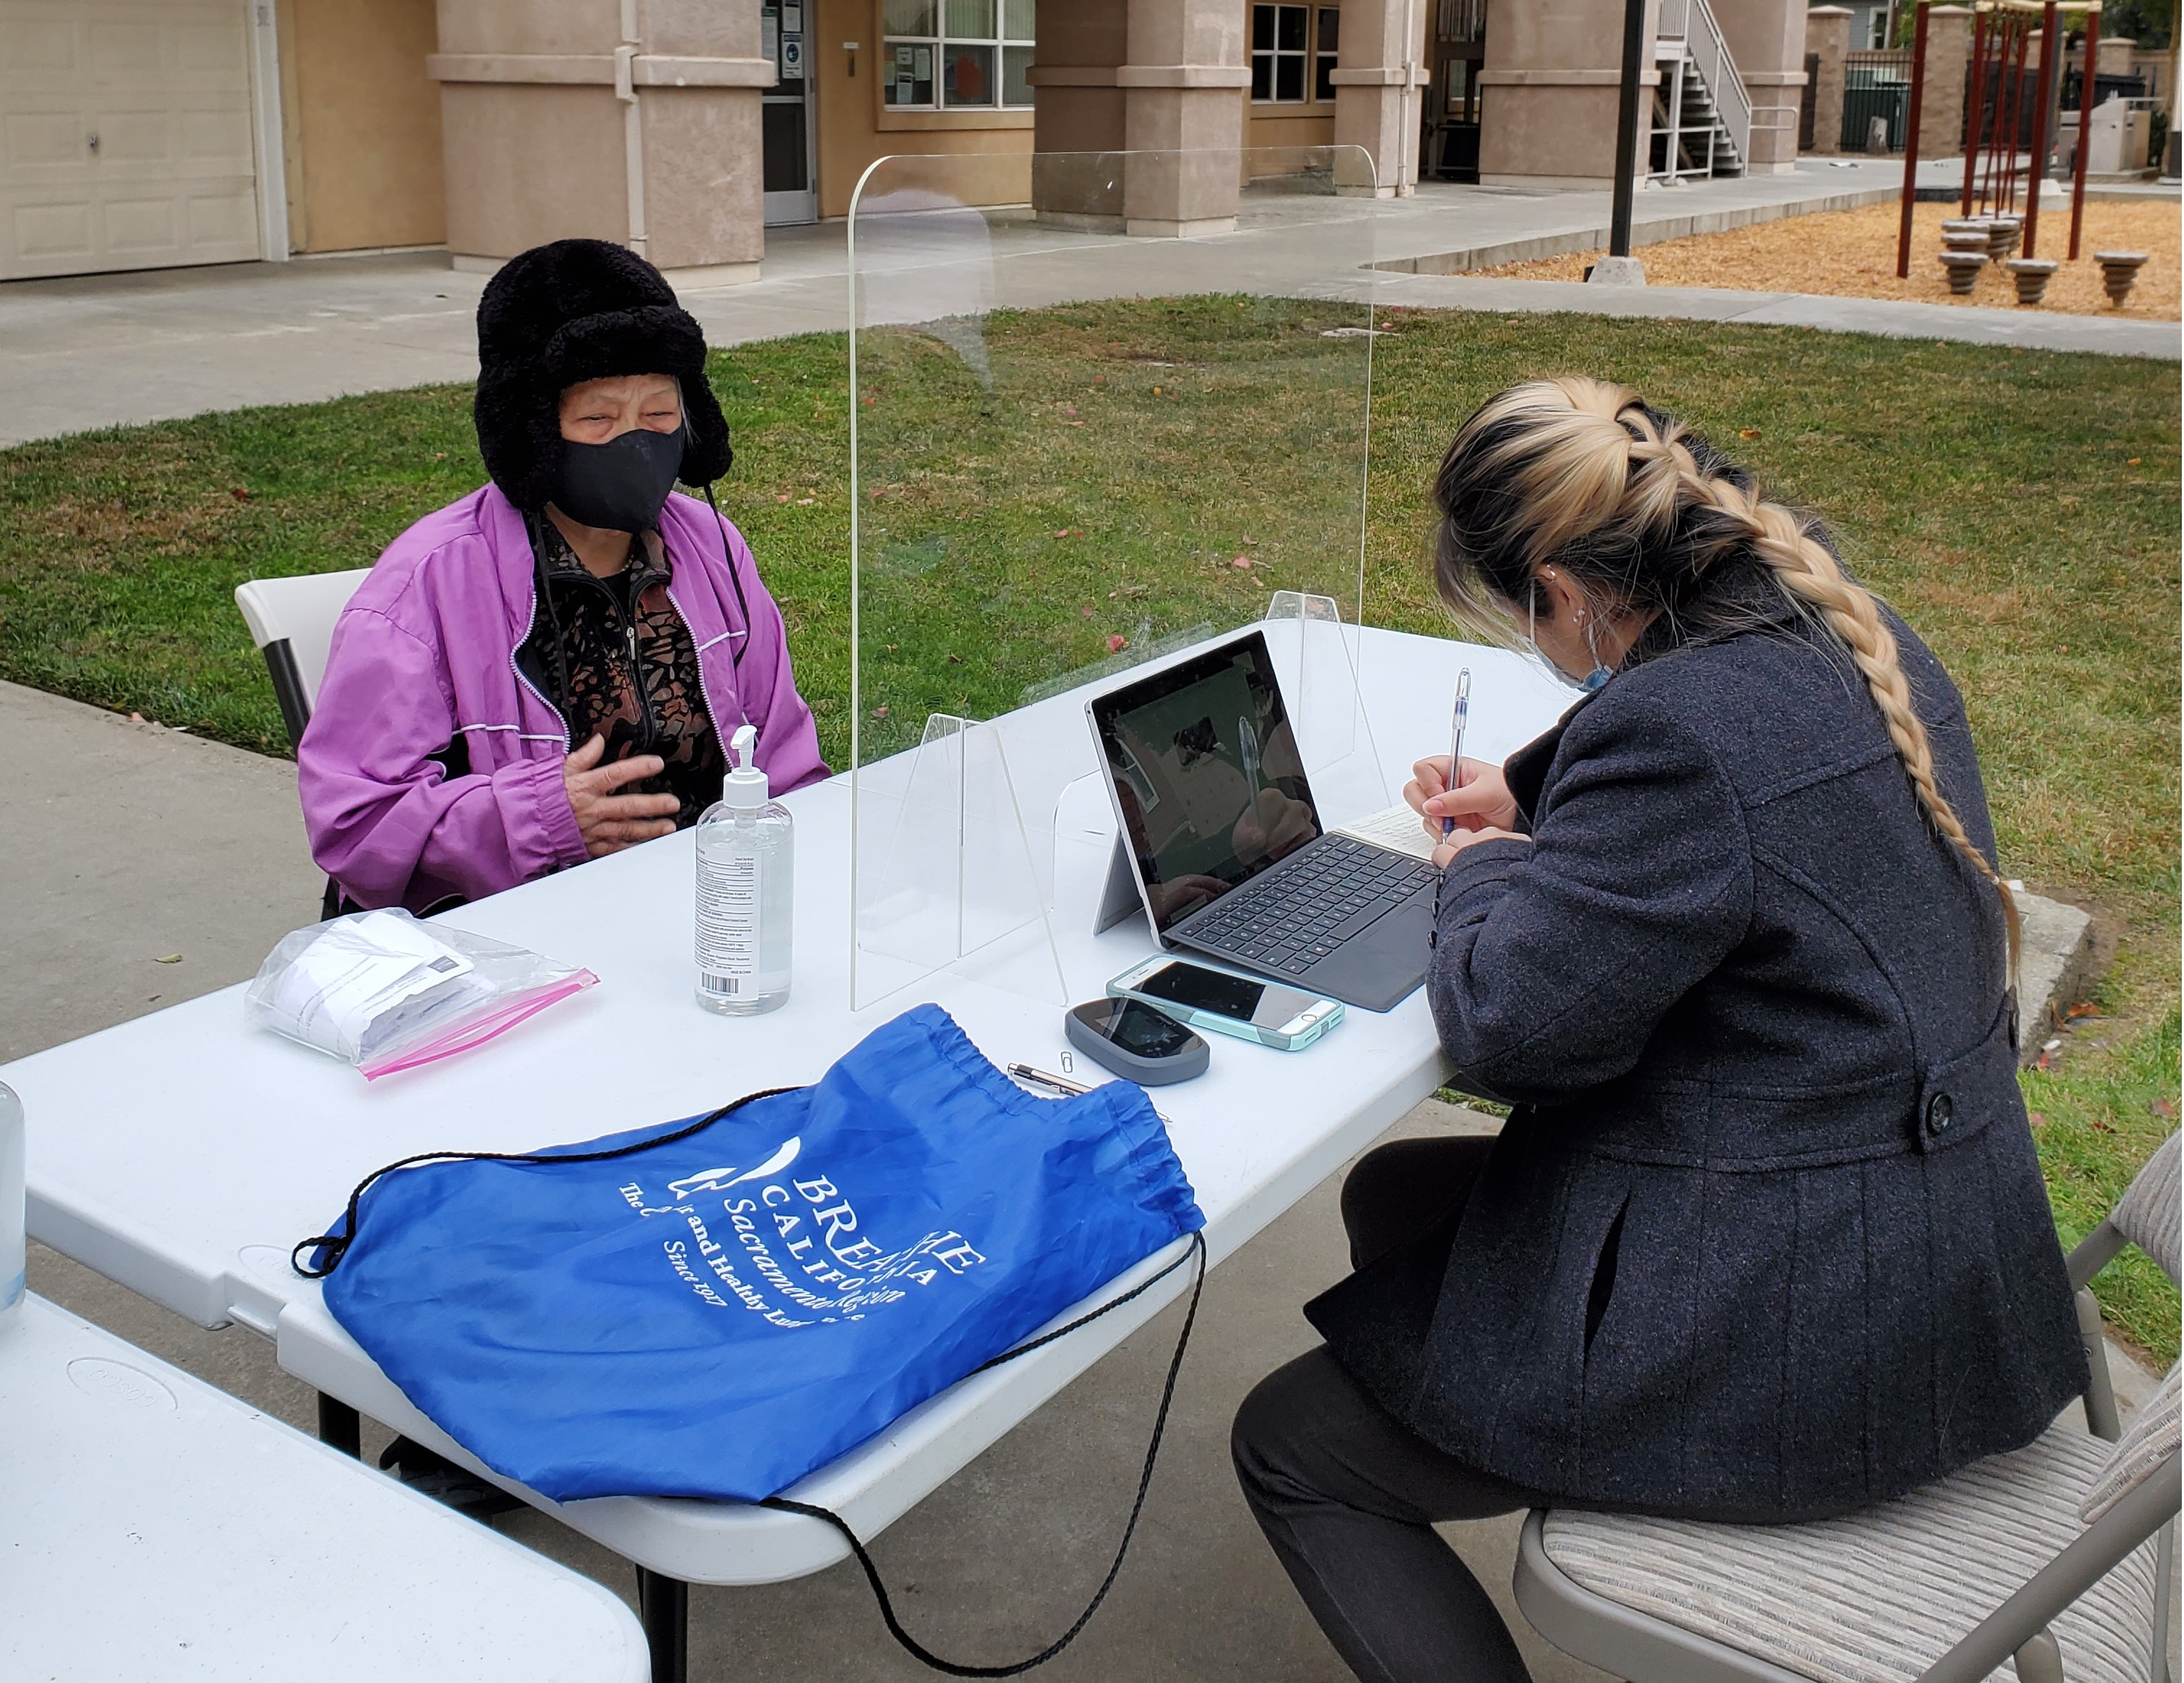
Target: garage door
x: 124, y: 135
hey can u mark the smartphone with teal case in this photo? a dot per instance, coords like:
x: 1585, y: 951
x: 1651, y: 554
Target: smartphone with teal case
x: 1229, y: 1002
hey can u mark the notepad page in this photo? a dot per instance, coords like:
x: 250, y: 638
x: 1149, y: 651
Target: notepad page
x: 1397, y: 828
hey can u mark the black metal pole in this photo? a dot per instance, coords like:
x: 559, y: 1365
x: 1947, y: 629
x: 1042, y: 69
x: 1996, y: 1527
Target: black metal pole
x: 340, y: 1426
x: 1626, y: 133
x: 663, y: 1605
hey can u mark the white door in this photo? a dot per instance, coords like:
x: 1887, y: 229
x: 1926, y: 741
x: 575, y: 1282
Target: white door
x: 125, y: 137
x: 786, y: 114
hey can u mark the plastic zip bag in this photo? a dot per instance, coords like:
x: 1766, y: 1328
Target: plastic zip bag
x: 384, y: 992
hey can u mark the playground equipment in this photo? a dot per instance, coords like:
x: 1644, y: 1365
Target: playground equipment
x: 2002, y: 34
x: 1963, y: 268
x: 2032, y: 274
x: 2119, y: 269
x: 2002, y: 233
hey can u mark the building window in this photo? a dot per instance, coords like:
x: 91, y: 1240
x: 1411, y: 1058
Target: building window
x: 957, y: 54
x: 1323, y: 50
x: 1277, y: 54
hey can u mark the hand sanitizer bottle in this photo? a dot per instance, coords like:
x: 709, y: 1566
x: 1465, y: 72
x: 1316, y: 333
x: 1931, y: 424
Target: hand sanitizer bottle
x: 746, y: 861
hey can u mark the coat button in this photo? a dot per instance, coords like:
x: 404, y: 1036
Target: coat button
x: 1941, y: 1111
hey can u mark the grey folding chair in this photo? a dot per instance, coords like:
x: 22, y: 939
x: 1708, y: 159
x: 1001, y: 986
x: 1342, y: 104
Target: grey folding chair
x: 292, y: 621
x: 2044, y: 1557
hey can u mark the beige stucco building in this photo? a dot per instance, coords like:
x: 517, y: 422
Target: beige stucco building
x: 144, y: 132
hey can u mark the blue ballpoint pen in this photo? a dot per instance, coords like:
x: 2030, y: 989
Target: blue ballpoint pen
x: 1456, y: 735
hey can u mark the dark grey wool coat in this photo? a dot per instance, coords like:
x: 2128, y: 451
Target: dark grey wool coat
x: 1765, y: 1235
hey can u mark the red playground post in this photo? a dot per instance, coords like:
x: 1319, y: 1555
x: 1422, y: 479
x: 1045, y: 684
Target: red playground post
x: 2043, y: 96
x: 2085, y: 111
x: 2007, y: 199
x: 1976, y: 101
x: 1911, y: 142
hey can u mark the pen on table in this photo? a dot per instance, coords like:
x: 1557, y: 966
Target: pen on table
x: 1039, y: 1077
x: 1069, y: 1089
x: 1456, y: 724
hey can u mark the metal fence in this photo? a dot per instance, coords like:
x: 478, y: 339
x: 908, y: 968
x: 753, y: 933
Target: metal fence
x: 1876, y: 83
x: 2105, y: 87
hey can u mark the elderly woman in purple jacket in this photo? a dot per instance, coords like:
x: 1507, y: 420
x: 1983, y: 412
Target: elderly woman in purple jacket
x: 546, y: 670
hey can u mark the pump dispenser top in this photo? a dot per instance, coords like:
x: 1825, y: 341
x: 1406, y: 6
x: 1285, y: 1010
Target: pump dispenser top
x: 745, y: 785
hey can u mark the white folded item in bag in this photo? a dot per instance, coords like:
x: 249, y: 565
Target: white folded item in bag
x: 381, y: 991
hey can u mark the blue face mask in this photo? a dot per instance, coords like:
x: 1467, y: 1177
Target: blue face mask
x: 1592, y: 682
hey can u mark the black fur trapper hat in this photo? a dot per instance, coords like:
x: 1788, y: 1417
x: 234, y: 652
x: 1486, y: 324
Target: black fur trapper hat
x: 576, y: 310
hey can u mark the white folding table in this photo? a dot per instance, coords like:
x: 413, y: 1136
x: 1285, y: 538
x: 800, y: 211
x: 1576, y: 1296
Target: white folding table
x: 183, y: 1153
x: 155, y: 1527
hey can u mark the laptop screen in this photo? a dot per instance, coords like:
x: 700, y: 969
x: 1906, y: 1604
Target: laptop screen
x: 1206, y: 776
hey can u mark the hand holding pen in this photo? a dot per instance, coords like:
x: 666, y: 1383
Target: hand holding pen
x: 1461, y: 801
x: 1459, y: 717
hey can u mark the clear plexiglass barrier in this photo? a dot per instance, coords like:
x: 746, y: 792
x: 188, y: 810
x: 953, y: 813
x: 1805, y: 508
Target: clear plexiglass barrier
x: 1087, y: 440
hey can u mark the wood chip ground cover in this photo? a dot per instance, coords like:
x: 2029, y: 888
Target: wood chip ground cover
x: 1852, y: 253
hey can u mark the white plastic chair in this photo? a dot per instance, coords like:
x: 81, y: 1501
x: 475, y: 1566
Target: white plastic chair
x: 2041, y: 1558
x: 292, y: 621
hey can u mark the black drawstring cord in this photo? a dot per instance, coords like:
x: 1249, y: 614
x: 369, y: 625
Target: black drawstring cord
x: 735, y: 578
x: 545, y: 590
x: 1092, y: 1315
x: 918, y: 1650
x: 335, y: 1245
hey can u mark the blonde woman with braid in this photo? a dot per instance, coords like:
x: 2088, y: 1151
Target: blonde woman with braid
x: 1764, y: 1237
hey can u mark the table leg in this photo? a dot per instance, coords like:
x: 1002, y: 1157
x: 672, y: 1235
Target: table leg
x: 664, y: 1606
x: 340, y: 1426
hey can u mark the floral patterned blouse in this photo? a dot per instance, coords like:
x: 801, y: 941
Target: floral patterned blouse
x: 614, y: 655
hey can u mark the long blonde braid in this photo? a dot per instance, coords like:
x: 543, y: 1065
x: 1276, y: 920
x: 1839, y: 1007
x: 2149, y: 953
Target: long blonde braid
x: 1582, y: 470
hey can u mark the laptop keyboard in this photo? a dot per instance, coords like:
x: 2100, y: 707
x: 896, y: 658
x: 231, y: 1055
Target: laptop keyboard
x: 1289, y: 921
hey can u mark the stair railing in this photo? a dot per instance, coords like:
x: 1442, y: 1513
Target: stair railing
x: 1692, y: 21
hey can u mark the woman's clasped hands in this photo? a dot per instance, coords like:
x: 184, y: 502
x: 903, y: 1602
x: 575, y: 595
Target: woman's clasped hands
x: 1480, y: 802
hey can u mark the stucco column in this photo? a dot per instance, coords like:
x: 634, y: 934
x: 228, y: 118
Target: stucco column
x: 697, y: 74
x: 1159, y: 81
x: 1182, y: 103
x: 1948, y: 63
x: 1552, y: 79
x: 1078, y: 118
x: 1827, y: 37
x: 1767, y: 39
x: 635, y: 124
x: 1380, y: 83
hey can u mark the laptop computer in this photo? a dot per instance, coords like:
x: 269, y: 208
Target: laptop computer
x: 1224, y: 843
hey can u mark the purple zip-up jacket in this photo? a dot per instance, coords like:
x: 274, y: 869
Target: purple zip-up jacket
x: 424, y: 653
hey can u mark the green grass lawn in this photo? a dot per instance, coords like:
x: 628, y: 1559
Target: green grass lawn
x: 1097, y: 478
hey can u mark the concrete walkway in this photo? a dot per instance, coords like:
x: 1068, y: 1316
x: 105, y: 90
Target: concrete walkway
x: 104, y: 350
x: 1890, y: 318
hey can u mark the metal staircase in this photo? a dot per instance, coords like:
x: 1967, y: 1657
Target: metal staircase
x: 1701, y: 113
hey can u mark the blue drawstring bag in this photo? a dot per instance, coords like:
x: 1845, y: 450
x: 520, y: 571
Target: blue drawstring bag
x: 718, y: 1306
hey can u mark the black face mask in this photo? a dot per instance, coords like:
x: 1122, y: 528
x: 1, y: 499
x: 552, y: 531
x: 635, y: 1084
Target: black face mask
x: 621, y: 485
